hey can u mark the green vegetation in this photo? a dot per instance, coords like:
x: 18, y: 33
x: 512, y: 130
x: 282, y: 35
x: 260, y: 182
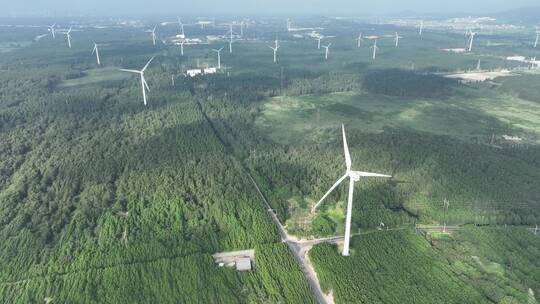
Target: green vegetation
x: 398, y: 267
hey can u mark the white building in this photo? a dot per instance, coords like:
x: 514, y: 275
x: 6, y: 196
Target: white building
x: 243, y: 264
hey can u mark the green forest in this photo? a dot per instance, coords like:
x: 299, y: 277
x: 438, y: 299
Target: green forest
x: 104, y: 200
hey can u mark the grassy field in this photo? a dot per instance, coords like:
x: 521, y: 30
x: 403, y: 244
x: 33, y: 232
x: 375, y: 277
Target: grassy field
x: 469, y: 114
x: 96, y: 77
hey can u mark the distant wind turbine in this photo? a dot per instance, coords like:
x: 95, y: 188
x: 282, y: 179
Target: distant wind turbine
x: 153, y: 32
x: 359, y: 41
x: 218, y: 56
x: 182, y: 47
x: 354, y: 176
x: 327, y: 50
x: 275, y: 49
x: 537, y: 38
x: 318, y: 42
x: 396, y: 39
x: 68, y: 36
x: 143, y: 81
x: 471, y: 39
x: 52, y: 30
x: 375, y: 48
x: 183, y: 35
x: 96, y: 50
x: 421, y: 30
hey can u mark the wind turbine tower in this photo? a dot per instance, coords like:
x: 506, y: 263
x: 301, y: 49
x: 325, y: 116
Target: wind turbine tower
x: 182, y: 47
x: 354, y: 176
x: 396, y: 39
x: 96, y: 50
x: 154, y: 35
x: 327, y: 50
x: 537, y: 38
x: 68, y: 36
x: 218, y: 56
x: 52, y: 30
x: 471, y: 40
x: 359, y: 41
x: 318, y: 42
x: 421, y: 30
x: 275, y: 49
x: 143, y: 81
x: 375, y: 48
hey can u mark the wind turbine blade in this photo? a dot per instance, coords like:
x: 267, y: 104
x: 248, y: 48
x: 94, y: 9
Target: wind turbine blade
x: 339, y: 181
x: 348, y: 161
x: 147, y: 64
x: 369, y: 174
x: 145, y: 84
x: 130, y: 71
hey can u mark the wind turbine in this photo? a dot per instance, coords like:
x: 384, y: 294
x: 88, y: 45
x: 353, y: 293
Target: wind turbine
x: 218, y: 56
x: 68, y: 36
x: 471, y: 39
x: 242, y: 28
x: 478, y: 65
x: 354, y: 176
x: 359, y: 40
x: 96, y: 50
x: 318, y: 42
x: 327, y: 50
x: 182, y: 47
x: 53, y: 32
x: 421, y: 28
x: 231, y: 33
x: 537, y: 38
x: 375, y: 48
x: 181, y: 28
x: 143, y: 81
x: 275, y: 49
x: 397, y: 39
x: 153, y: 32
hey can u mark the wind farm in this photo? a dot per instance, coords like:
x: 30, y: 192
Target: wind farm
x: 295, y: 158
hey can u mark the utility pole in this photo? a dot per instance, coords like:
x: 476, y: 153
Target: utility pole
x: 281, y: 85
x: 446, y: 205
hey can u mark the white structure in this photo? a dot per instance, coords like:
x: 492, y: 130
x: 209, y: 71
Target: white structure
x: 359, y: 41
x: 421, y: 30
x: 536, y: 41
x: 354, y: 176
x: 96, y: 50
x: 143, y: 81
x: 182, y: 47
x: 153, y: 32
x: 210, y: 71
x: 243, y: 264
x: 52, y: 30
x: 194, y: 72
x: 275, y: 49
x: 375, y: 48
x: 471, y: 40
x: 318, y: 42
x: 396, y: 39
x: 68, y: 36
x: 218, y: 56
x: 327, y: 50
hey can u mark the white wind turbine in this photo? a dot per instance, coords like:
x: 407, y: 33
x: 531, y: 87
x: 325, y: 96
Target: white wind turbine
x: 96, y: 50
x: 537, y: 38
x: 396, y: 39
x: 318, y: 42
x: 275, y: 49
x: 153, y: 32
x: 359, y: 41
x: 218, y: 56
x: 375, y: 48
x: 471, y: 39
x: 421, y: 30
x: 231, y: 33
x: 52, y: 30
x: 327, y: 50
x: 143, y: 81
x: 183, y: 35
x: 68, y: 36
x: 182, y: 47
x: 354, y: 176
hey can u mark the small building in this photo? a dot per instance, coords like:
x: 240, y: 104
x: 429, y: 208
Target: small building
x: 210, y: 71
x: 243, y: 264
x: 194, y: 72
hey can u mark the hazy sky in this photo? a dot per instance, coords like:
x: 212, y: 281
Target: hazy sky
x: 213, y: 7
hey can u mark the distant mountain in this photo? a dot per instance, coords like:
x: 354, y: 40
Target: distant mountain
x: 524, y: 15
